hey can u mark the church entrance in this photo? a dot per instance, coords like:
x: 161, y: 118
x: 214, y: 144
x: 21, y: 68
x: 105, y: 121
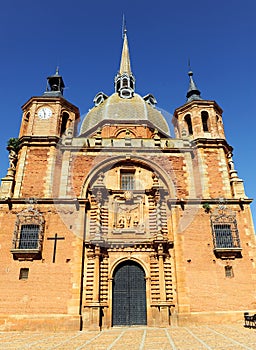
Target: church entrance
x: 129, y: 295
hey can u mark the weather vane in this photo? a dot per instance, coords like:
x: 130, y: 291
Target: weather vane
x: 189, y: 65
x: 124, y: 30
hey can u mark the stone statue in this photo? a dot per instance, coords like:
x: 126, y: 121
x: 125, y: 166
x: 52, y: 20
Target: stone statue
x: 12, y: 158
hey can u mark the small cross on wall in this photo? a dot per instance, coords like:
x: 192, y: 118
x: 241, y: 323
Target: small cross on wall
x: 55, y: 239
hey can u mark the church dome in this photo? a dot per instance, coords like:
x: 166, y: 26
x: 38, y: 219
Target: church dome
x: 119, y: 110
x: 124, y: 106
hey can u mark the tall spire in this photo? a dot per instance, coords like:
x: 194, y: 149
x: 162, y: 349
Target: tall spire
x: 193, y: 92
x: 125, y: 64
x: 124, y: 80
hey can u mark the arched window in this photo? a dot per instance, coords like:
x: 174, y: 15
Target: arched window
x: 64, y: 121
x: 189, y: 124
x: 205, y: 121
x: 26, y: 120
x: 118, y: 85
x: 125, y: 82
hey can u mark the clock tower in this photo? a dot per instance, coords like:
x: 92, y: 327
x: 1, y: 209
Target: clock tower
x: 49, y: 114
x: 46, y: 121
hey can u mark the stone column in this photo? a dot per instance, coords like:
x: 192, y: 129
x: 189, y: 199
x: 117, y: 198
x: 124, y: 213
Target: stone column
x: 64, y: 174
x: 161, y: 272
x: 91, y: 314
x: 96, y: 283
x: 163, y: 305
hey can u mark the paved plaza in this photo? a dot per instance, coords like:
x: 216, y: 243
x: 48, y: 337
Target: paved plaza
x: 215, y: 337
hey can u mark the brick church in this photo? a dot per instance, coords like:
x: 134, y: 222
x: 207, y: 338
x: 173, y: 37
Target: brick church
x: 117, y: 222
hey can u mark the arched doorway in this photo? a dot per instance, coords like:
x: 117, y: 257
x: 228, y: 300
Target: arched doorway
x: 129, y: 295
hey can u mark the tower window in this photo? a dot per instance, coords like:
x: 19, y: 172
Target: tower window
x: 27, y: 116
x: 23, y: 273
x: 127, y: 181
x: 125, y: 82
x: 189, y: 124
x: 64, y: 122
x: 205, y: 121
x: 26, y: 121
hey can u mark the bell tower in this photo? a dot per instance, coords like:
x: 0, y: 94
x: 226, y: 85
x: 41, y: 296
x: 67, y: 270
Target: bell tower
x: 200, y: 121
x: 198, y: 118
x: 49, y: 114
x: 47, y: 121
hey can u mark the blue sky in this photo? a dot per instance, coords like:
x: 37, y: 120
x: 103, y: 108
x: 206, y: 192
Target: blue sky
x: 84, y: 39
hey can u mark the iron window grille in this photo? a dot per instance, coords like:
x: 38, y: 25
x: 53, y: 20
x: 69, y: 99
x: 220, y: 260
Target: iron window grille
x: 127, y: 181
x: 28, y: 234
x: 225, y: 232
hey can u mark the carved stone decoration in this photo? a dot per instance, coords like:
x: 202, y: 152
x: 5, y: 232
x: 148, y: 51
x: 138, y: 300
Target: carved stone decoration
x: 98, y: 137
x: 155, y: 180
x: 157, y: 209
x: 232, y: 171
x: 99, y: 209
x: 31, y: 201
x: 128, y: 214
x: 68, y: 136
x: 157, y: 138
x: 95, y: 228
x: 99, y: 190
x: 158, y: 217
x: 128, y: 195
x: 13, y: 157
x: 117, y: 214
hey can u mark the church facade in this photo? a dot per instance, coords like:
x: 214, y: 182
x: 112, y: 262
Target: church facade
x: 120, y: 223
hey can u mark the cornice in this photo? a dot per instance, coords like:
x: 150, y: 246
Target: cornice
x: 196, y: 103
x: 51, y: 99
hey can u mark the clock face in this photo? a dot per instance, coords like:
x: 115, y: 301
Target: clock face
x: 44, y: 113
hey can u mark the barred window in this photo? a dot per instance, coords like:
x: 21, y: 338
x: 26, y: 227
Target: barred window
x: 127, y: 181
x: 23, y: 273
x: 29, y: 237
x: 225, y: 232
x: 223, y: 235
x: 229, y: 271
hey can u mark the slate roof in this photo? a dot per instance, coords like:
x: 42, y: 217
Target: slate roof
x: 118, y: 110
